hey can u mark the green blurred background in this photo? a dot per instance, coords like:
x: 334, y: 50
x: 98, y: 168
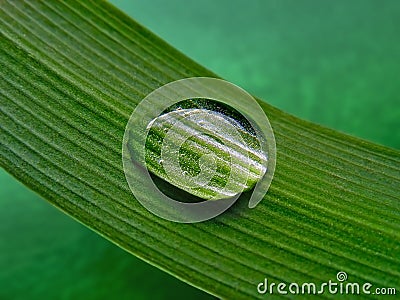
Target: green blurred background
x: 336, y: 63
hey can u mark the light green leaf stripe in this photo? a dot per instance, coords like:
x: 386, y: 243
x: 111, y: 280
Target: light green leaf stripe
x: 72, y: 73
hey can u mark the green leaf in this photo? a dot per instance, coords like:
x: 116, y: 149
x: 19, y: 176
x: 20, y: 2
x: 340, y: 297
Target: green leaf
x: 72, y: 73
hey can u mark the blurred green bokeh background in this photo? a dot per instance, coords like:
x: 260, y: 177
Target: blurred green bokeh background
x: 336, y: 63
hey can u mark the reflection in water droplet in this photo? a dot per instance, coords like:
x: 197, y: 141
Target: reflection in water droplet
x: 207, y: 153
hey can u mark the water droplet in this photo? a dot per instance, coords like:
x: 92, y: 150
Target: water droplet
x: 160, y: 161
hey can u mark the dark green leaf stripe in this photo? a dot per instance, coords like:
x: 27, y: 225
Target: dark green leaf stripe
x: 71, y: 74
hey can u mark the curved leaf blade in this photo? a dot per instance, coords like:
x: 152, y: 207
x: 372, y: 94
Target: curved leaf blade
x: 72, y: 72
